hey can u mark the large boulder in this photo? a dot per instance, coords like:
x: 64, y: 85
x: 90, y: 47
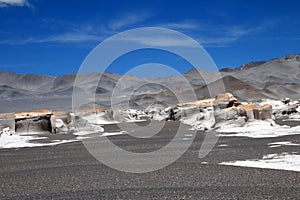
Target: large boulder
x: 250, y: 112
x: 253, y: 112
x: 33, y: 121
x: 62, y: 122
x: 87, y: 120
x: 263, y: 112
x: 225, y: 100
x: 231, y: 113
x: 200, y: 119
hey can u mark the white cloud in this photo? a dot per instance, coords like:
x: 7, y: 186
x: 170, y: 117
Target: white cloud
x: 71, y: 37
x: 127, y: 20
x: 207, y: 34
x: 6, y: 3
x: 162, y: 41
x: 155, y: 37
x: 211, y: 35
x: 181, y: 25
x: 206, y: 37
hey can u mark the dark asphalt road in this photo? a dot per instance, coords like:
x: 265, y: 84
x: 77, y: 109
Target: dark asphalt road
x: 68, y: 171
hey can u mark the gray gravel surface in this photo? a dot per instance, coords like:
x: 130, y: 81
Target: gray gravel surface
x: 68, y: 171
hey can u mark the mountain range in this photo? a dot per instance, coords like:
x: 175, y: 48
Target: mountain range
x: 275, y: 79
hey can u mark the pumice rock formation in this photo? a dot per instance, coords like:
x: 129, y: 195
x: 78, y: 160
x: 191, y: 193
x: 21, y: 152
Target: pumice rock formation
x: 203, y: 114
x: 33, y: 121
x: 62, y: 122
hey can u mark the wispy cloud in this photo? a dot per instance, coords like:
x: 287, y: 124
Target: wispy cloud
x: 210, y: 35
x: 157, y: 40
x: 186, y: 25
x: 6, y: 3
x: 207, y: 34
x: 71, y: 37
x: 129, y: 19
x: 81, y: 33
x: 216, y: 37
x: 223, y: 36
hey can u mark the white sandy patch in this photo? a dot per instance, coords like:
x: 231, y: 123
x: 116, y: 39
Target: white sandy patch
x: 19, y: 141
x: 159, y: 117
x: 283, y: 143
x: 295, y: 120
x: 222, y: 145
x: 113, y: 133
x: 271, y: 161
x: 99, y: 119
x: 80, y: 133
x: 82, y: 138
x: 103, y: 122
x: 257, y: 129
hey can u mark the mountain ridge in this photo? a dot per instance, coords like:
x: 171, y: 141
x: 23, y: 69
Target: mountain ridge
x: 276, y: 78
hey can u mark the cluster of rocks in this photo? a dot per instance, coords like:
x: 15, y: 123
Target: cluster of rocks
x: 206, y: 113
x: 203, y: 114
x: 223, y: 107
x: 43, y: 121
x: 35, y: 121
x: 284, y: 109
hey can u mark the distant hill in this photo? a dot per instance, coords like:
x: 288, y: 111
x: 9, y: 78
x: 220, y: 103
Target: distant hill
x: 243, y: 67
x: 276, y: 78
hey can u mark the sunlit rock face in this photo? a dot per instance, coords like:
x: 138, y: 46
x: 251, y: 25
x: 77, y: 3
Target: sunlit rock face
x: 62, y: 122
x: 225, y: 100
x: 263, y: 112
x: 204, y: 114
x: 254, y: 112
x: 33, y: 121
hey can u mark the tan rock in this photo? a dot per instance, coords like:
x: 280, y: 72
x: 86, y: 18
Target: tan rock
x: 200, y: 103
x: 257, y: 112
x: 229, y: 113
x: 225, y: 100
x: 33, y: 113
x: 263, y: 112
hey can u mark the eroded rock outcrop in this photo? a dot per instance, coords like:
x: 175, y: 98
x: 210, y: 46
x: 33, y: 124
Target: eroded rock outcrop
x: 62, y: 122
x: 33, y: 121
x: 225, y: 100
x: 203, y: 114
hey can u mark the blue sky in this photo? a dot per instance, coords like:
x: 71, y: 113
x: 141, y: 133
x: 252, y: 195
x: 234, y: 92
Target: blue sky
x: 53, y: 37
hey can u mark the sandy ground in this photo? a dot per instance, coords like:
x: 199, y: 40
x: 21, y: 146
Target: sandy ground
x: 68, y: 171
